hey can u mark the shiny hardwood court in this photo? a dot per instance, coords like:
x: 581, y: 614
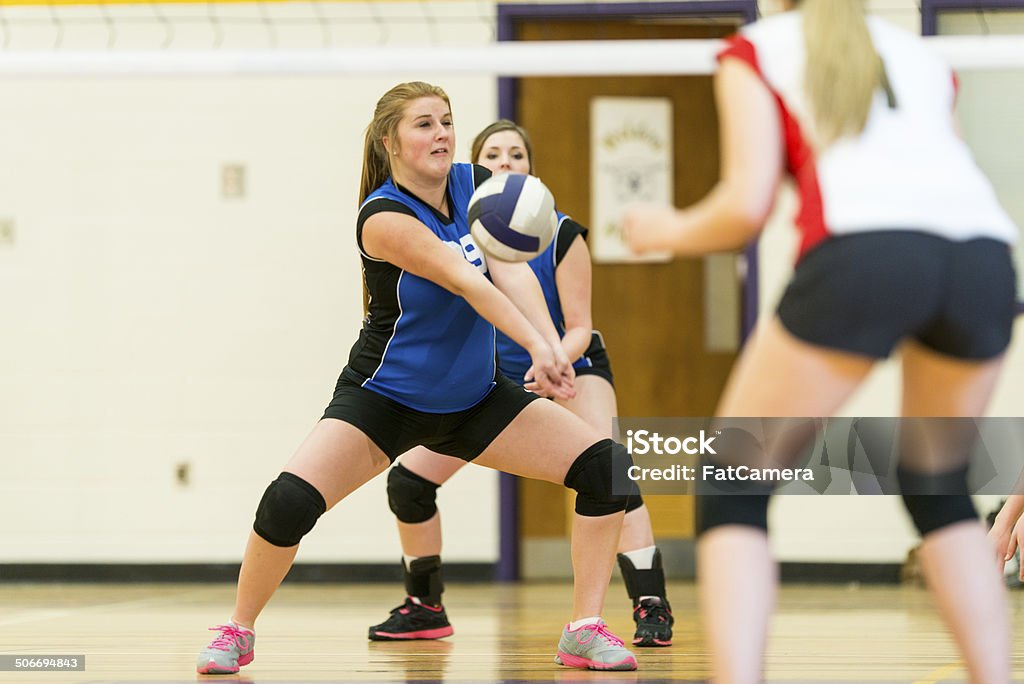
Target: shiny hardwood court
x: 503, y: 633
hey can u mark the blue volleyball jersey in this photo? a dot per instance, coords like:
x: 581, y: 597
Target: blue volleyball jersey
x: 513, y: 359
x: 421, y: 345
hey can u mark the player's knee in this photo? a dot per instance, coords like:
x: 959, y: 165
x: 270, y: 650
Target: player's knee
x: 715, y: 510
x: 412, y: 498
x: 730, y: 502
x: 288, y: 510
x: 591, y: 476
x: 634, y: 501
x: 936, y: 501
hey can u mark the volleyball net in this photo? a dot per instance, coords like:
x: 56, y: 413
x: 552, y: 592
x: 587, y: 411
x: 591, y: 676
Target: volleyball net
x: 511, y: 58
x: 314, y: 37
x: 176, y: 216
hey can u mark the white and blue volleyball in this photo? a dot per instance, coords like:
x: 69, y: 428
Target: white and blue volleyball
x: 512, y: 217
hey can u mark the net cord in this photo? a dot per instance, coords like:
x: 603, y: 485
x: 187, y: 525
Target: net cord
x: 513, y: 58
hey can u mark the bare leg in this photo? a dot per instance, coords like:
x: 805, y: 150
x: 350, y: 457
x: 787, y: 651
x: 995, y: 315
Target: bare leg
x: 421, y: 539
x: 971, y: 598
x: 424, y: 539
x: 336, y: 458
x: 422, y: 615
x: 737, y: 598
x: 263, y: 569
x: 636, y: 530
x: 968, y: 591
x: 541, y: 443
x: 593, y: 555
x: 595, y: 403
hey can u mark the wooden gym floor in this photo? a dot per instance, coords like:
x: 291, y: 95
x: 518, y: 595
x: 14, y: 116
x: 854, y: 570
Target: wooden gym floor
x: 503, y: 633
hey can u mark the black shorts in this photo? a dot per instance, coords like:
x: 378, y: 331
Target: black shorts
x: 865, y: 292
x: 396, y: 428
x: 600, y: 363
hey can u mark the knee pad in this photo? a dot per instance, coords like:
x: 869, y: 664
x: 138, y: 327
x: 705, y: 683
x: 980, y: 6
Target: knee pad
x: 635, y: 501
x: 936, y: 501
x: 412, y: 498
x: 714, y: 510
x: 731, y: 502
x: 288, y: 510
x: 591, y: 476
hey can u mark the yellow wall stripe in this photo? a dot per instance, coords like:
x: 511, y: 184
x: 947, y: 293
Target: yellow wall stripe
x: 17, y: 3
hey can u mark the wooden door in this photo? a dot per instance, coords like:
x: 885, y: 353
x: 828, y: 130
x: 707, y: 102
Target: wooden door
x: 651, y: 316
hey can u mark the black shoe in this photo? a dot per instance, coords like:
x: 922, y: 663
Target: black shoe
x: 653, y: 618
x: 413, y: 620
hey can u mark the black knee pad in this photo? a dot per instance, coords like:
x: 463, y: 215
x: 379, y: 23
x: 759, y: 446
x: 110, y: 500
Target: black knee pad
x: 731, y: 502
x: 412, y: 498
x: 591, y: 476
x: 714, y: 510
x: 288, y: 510
x: 936, y: 501
x: 635, y: 501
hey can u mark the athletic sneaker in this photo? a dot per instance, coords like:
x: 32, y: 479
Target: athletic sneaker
x: 653, y: 618
x: 593, y: 647
x: 228, y: 652
x: 413, y: 620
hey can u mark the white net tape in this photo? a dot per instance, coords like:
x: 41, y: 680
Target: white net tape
x: 505, y: 58
x: 514, y: 58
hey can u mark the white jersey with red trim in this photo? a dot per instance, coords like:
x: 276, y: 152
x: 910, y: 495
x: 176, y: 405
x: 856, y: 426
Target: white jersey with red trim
x: 908, y: 169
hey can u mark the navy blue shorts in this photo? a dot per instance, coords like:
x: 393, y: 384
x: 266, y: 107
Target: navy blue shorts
x: 597, y: 355
x: 865, y: 292
x: 396, y: 428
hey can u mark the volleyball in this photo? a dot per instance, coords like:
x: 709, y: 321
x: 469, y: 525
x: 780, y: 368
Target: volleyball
x: 512, y: 217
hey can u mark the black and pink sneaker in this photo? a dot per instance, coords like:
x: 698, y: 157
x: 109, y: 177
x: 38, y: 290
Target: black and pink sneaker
x: 653, y: 618
x: 413, y: 620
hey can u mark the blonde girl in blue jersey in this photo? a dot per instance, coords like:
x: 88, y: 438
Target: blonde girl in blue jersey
x: 413, y: 238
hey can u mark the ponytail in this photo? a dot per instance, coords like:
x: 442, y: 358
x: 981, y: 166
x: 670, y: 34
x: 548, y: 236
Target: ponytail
x: 843, y: 69
x: 376, y: 168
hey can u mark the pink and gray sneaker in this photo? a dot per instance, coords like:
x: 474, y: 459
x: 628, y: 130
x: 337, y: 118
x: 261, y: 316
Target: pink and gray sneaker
x: 593, y: 647
x: 228, y: 652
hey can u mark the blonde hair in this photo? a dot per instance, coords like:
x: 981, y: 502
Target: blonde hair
x: 497, y: 127
x: 386, y: 116
x: 843, y: 68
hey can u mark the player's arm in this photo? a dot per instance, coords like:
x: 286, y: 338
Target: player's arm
x: 737, y: 207
x: 573, y: 280
x: 519, y: 283
x: 405, y: 242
